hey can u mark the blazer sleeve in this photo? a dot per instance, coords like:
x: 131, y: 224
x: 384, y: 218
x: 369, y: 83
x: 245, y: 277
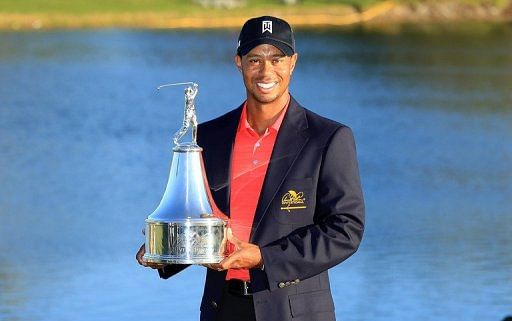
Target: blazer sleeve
x: 170, y: 270
x: 338, y: 220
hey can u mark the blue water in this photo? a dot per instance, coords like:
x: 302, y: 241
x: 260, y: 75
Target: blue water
x: 85, y: 149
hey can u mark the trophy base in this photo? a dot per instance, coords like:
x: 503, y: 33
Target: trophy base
x: 162, y: 259
x: 190, y: 241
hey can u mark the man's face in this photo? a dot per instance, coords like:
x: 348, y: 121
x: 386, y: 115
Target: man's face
x: 267, y: 72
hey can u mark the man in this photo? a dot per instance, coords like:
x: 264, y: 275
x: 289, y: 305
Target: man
x: 288, y: 180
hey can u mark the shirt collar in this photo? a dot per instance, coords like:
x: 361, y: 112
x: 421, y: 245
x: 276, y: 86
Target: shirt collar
x: 244, y: 123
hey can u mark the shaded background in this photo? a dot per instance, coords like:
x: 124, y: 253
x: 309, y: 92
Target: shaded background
x: 85, y: 151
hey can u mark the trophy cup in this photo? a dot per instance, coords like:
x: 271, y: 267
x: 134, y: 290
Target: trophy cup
x: 186, y: 227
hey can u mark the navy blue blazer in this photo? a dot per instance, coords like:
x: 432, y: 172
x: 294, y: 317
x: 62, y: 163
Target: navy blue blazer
x: 309, y: 218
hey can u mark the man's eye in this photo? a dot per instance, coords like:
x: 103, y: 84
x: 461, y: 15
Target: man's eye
x: 277, y: 60
x: 253, y: 61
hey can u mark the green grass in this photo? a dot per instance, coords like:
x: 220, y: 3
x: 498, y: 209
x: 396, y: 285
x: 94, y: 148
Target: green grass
x: 359, y: 4
x: 185, y: 6
x: 496, y: 3
x: 88, y: 6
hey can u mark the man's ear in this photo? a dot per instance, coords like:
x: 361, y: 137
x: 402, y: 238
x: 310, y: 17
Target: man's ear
x: 294, y: 61
x: 238, y: 62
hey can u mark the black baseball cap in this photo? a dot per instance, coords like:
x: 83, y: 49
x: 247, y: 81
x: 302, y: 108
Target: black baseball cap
x: 266, y: 30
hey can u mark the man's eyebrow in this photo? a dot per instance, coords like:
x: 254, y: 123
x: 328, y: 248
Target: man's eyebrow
x: 277, y: 55
x: 254, y: 56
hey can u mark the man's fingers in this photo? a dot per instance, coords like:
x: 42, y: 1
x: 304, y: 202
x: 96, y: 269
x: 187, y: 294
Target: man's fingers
x: 140, y: 254
x: 215, y: 266
x: 140, y: 258
x: 230, y: 262
x: 230, y: 234
x: 233, y: 239
x: 155, y: 265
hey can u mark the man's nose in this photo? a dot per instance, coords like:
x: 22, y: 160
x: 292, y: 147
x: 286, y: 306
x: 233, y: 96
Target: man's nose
x: 266, y: 67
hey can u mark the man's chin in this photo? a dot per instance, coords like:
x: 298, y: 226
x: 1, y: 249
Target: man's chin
x: 266, y: 99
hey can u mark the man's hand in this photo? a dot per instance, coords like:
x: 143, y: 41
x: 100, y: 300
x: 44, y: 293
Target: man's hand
x: 245, y: 256
x: 140, y: 259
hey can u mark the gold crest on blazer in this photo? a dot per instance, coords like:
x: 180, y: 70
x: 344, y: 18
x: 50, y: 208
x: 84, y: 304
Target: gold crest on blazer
x: 293, y: 200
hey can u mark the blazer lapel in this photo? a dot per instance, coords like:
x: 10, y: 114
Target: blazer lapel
x: 290, y: 140
x: 219, y: 158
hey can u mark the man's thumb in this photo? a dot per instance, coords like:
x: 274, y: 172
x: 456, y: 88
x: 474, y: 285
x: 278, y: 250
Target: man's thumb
x: 233, y: 239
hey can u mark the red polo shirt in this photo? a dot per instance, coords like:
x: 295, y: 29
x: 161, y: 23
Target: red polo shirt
x: 251, y: 156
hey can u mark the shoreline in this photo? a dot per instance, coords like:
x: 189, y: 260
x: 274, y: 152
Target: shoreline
x: 378, y: 15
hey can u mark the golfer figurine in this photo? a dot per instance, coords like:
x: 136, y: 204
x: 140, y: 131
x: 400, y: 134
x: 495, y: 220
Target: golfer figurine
x: 190, y: 115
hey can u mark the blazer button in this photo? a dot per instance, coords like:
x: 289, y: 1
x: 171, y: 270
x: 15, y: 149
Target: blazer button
x: 297, y: 280
x: 281, y: 285
x: 214, y: 304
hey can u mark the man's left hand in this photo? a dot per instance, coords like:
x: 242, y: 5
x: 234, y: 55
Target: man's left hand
x: 245, y: 256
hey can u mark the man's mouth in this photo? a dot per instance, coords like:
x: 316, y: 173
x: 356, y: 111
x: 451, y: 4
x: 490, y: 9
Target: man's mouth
x: 266, y: 85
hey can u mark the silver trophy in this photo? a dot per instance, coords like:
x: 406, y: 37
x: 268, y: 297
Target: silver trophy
x: 186, y: 228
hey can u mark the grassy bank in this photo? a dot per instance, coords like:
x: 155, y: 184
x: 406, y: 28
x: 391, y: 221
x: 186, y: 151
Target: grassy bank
x: 15, y: 14
x: 182, y: 6
x: 189, y: 6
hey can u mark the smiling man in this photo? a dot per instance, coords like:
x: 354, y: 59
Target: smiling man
x: 288, y: 180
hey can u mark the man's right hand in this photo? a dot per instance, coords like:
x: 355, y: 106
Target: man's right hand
x: 140, y: 258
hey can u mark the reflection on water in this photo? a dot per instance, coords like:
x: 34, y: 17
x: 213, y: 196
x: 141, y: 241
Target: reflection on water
x: 85, y: 149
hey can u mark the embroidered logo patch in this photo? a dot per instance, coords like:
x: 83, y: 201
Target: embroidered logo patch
x: 266, y: 26
x: 293, y: 200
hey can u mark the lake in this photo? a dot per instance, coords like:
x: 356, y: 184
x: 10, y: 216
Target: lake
x: 85, y: 148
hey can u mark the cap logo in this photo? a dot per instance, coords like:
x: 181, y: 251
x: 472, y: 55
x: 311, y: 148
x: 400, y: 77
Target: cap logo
x: 266, y: 26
